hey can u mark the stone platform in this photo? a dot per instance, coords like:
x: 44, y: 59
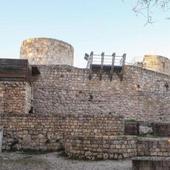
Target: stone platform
x: 151, y: 163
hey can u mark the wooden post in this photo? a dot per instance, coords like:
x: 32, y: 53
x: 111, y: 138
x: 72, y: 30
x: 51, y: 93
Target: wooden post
x: 112, y: 67
x: 124, y: 59
x: 90, y: 64
x: 101, y: 67
x: 123, y: 64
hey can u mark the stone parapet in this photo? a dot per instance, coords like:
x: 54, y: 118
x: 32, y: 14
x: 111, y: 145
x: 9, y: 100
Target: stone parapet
x: 105, y: 147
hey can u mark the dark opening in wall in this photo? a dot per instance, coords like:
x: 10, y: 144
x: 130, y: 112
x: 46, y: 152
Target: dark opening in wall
x: 61, y: 75
x: 166, y: 86
x: 138, y: 86
x: 31, y: 110
x: 68, y: 69
x: 47, y: 141
x: 90, y: 97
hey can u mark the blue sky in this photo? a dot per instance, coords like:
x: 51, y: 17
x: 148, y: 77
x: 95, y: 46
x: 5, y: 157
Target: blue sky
x: 89, y: 25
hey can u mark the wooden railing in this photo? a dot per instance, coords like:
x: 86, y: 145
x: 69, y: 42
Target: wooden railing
x: 103, y: 61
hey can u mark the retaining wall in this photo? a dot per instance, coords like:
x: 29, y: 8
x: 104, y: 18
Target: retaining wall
x: 106, y: 147
x: 159, y: 129
x: 40, y: 132
x: 151, y: 163
x: 115, y: 147
x: 153, y: 147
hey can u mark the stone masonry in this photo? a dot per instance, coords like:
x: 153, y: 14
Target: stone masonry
x: 47, y: 51
x: 15, y: 97
x: 157, y: 63
x: 151, y: 163
x: 55, y: 106
x: 47, y: 132
x: 153, y: 147
x: 142, y: 95
x: 100, y: 147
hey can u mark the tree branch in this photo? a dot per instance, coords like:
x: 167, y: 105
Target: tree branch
x: 145, y: 7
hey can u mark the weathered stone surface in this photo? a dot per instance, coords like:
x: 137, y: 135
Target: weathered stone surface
x: 104, y: 147
x: 47, y: 51
x: 161, y: 129
x: 145, y: 130
x: 157, y: 63
x: 131, y: 127
x: 15, y: 97
x: 42, y: 132
x: 157, y: 129
x: 141, y: 95
x: 153, y: 147
x: 151, y: 163
x: 85, y: 116
x: 1, y: 138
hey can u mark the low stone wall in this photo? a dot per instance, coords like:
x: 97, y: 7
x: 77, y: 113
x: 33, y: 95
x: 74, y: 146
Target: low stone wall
x: 106, y: 147
x: 40, y: 132
x: 161, y: 129
x: 157, y: 129
x: 153, y: 147
x: 151, y: 163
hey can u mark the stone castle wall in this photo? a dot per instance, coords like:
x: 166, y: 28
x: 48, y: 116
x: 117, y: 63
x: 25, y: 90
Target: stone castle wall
x: 47, y: 51
x: 142, y: 95
x: 1, y: 99
x: 83, y: 116
x: 40, y: 132
x: 15, y: 97
x: 157, y: 63
x: 116, y: 147
x: 101, y: 147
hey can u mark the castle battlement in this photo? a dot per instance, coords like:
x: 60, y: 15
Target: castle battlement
x: 47, y: 104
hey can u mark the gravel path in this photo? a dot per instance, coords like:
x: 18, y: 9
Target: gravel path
x: 54, y: 161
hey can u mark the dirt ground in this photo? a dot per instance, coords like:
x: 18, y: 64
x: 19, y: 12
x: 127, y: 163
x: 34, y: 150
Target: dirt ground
x: 56, y: 161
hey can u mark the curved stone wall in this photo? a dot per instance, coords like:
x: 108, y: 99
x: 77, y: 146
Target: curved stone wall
x: 157, y: 63
x: 100, y: 147
x: 46, y: 51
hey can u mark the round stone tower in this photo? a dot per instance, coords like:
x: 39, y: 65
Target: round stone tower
x: 157, y: 63
x: 47, y: 51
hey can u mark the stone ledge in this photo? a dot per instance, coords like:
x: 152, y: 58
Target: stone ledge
x: 151, y: 163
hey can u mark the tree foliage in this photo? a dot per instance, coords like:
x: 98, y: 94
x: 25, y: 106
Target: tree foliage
x: 146, y: 7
